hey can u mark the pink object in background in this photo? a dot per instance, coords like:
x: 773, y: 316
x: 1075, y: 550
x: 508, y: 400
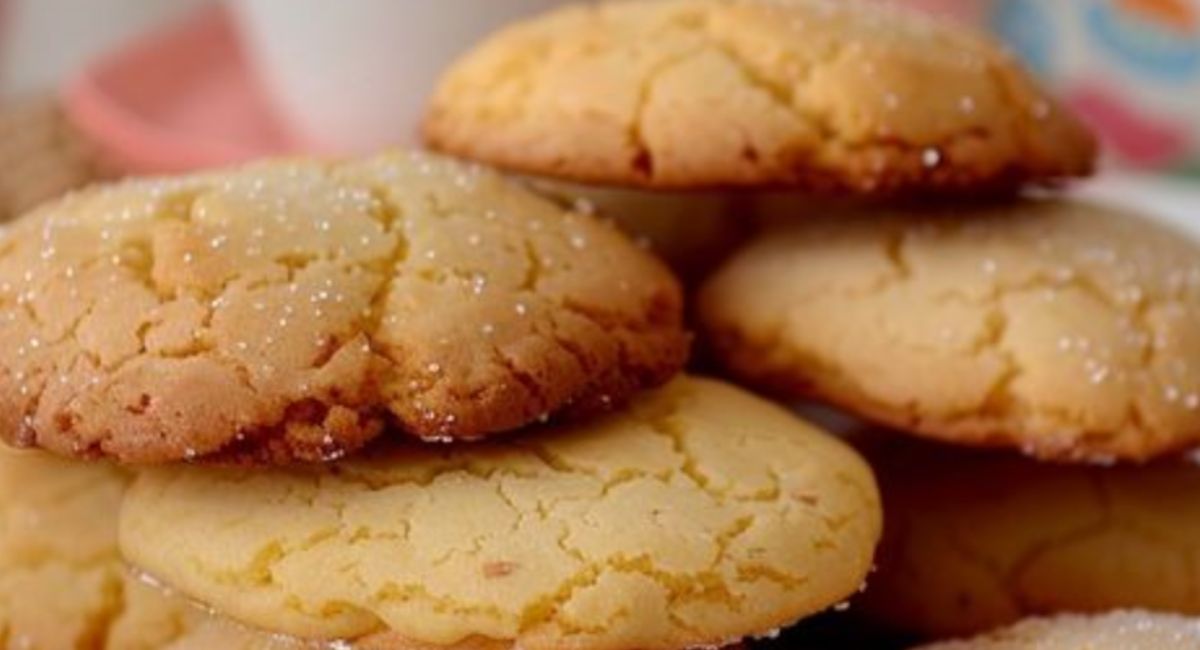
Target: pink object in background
x: 1130, y: 68
x: 180, y: 99
x: 343, y: 79
x: 1139, y: 140
x: 354, y: 76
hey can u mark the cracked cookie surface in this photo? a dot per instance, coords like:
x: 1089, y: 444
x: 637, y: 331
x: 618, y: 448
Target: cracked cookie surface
x: 979, y: 540
x: 294, y: 310
x: 63, y: 585
x: 699, y: 516
x: 1067, y: 330
x: 817, y: 94
x: 1130, y: 630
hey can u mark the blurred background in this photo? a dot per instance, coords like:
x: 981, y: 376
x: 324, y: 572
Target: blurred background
x: 103, y: 87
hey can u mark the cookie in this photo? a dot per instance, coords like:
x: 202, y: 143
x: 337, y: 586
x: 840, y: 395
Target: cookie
x: 1065, y: 329
x: 293, y: 310
x: 214, y: 633
x: 1115, y: 631
x: 63, y: 585
x: 816, y: 94
x: 222, y: 635
x: 699, y: 516
x: 979, y: 540
x: 391, y: 642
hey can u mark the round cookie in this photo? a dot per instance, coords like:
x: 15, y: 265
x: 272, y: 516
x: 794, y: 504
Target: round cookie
x: 699, y: 516
x: 815, y: 94
x: 291, y: 310
x: 979, y: 540
x: 1115, y: 631
x: 1067, y: 330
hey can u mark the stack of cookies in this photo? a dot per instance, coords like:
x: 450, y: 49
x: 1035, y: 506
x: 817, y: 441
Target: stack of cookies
x: 391, y: 403
x: 912, y: 262
x: 405, y: 403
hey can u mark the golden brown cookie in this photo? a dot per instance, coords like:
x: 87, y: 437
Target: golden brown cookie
x: 979, y: 540
x: 1115, y: 631
x: 833, y: 95
x: 1067, y: 330
x: 698, y: 517
x: 292, y: 310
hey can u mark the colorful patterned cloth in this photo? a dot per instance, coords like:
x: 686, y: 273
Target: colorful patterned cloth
x: 1131, y: 67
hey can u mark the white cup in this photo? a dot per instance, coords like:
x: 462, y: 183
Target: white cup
x: 354, y: 75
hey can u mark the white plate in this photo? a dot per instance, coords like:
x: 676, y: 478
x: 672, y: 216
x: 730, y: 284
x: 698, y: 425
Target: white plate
x: 1172, y: 201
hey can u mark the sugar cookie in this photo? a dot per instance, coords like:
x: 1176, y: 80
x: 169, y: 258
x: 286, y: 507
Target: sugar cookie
x: 1065, y: 329
x: 699, y: 516
x: 289, y: 310
x: 979, y: 540
x: 837, y: 95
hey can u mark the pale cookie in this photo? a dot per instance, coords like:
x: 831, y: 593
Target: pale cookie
x: 222, y: 635
x: 392, y: 642
x: 817, y: 94
x: 213, y: 633
x: 1115, y: 631
x: 63, y: 585
x: 1064, y: 329
x: 976, y: 541
x: 292, y: 310
x: 699, y: 516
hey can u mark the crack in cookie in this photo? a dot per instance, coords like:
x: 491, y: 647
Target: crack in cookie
x: 815, y: 94
x: 1066, y: 330
x: 699, y: 516
x: 294, y: 310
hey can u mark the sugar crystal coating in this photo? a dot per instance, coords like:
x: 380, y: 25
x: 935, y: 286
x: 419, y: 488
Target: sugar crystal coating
x: 1065, y: 329
x: 292, y: 310
x: 1124, y: 630
x: 835, y: 95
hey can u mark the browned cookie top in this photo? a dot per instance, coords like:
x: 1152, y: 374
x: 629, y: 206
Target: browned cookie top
x: 1065, y: 329
x: 834, y: 95
x: 292, y: 310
